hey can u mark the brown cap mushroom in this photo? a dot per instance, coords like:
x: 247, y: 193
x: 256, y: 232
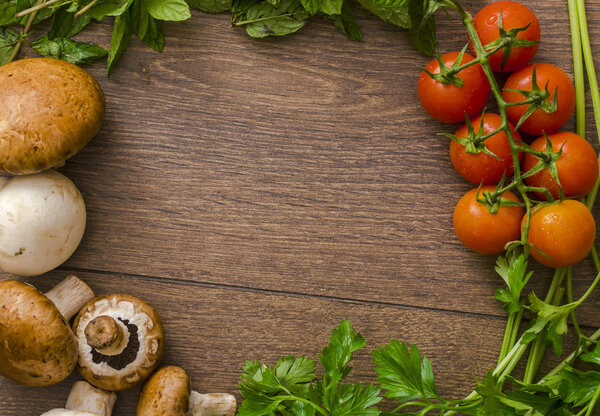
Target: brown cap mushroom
x: 49, y: 110
x: 38, y: 347
x: 85, y: 400
x: 168, y: 393
x: 121, y: 340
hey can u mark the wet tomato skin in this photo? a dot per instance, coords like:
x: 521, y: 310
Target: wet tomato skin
x: 481, y: 168
x: 481, y: 231
x: 514, y: 15
x: 577, y: 166
x: 449, y: 103
x: 564, y: 231
x: 540, y: 121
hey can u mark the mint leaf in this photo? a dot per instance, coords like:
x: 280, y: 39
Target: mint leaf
x: 263, y: 19
x: 392, y: 11
x: 312, y: 6
x: 346, y: 23
x: 120, y: 39
x: 108, y: 8
x: 332, y: 7
x: 8, y: 40
x: 422, y: 30
x: 68, y: 50
x: 65, y: 24
x: 169, y: 10
x: 402, y: 372
x: 8, y: 10
x: 211, y: 6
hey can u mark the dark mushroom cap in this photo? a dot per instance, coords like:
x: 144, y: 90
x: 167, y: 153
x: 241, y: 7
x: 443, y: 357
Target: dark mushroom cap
x: 166, y: 393
x: 37, y: 347
x: 49, y: 110
x: 144, y: 349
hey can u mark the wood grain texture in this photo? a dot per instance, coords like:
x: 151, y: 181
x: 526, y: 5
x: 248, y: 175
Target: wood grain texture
x: 257, y: 191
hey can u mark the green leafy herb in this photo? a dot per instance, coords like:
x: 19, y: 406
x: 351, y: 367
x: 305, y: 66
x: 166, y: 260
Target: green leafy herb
x: 262, y: 19
x: 8, y: 40
x: 8, y: 10
x: 514, y: 273
x: 346, y: 23
x: 422, y: 30
x: 211, y: 6
x: 68, y: 50
x: 170, y: 10
x: 65, y: 24
x: 289, y: 388
x: 120, y: 38
x: 392, y: 11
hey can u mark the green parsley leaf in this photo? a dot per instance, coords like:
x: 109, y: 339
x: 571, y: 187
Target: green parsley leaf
x: 513, y: 272
x: 342, y: 344
x: 169, y: 10
x: 592, y: 356
x: 211, y: 6
x: 578, y: 387
x: 551, y: 321
x: 8, y: 40
x: 68, y: 50
x: 402, y: 372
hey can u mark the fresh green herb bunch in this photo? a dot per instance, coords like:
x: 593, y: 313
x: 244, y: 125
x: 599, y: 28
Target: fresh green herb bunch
x: 145, y: 18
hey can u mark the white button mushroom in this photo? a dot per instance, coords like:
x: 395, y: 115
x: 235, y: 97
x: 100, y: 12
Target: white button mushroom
x: 85, y: 400
x: 120, y: 339
x: 37, y: 345
x: 42, y: 218
x: 169, y: 392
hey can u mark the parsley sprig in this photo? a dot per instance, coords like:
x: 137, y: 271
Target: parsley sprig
x: 289, y: 388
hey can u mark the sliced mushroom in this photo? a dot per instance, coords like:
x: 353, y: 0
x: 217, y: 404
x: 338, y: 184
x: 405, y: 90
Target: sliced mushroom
x: 37, y: 345
x: 85, y: 400
x: 169, y: 393
x: 121, y: 340
x: 42, y: 218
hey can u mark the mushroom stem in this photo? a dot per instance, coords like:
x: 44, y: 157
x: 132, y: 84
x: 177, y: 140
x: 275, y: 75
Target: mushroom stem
x: 69, y: 296
x: 87, y: 398
x: 107, y: 335
x: 212, y: 404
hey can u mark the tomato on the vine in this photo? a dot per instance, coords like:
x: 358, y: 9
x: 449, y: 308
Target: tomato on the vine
x: 577, y: 165
x: 479, y: 229
x: 481, y: 167
x: 447, y: 102
x: 557, y: 82
x: 564, y: 232
x: 514, y: 16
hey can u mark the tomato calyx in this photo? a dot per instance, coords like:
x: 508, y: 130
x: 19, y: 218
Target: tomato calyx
x: 536, y: 98
x: 509, y: 40
x: 547, y: 160
x: 447, y: 75
x: 493, y: 200
x: 474, y: 143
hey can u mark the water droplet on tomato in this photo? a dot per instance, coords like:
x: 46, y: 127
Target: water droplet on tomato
x: 492, y: 19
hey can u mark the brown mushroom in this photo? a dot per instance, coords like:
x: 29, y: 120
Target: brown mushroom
x: 38, y: 347
x: 121, y: 340
x: 169, y: 393
x: 49, y: 110
x: 85, y: 400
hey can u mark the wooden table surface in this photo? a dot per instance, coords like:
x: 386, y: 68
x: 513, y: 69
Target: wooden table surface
x: 257, y: 192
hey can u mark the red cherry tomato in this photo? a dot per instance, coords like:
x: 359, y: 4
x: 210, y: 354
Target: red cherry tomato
x: 482, y: 231
x: 449, y: 103
x: 540, y: 121
x: 577, y: 166
x: 514, y: 15
x: 480, y: 167
x: 564, y: 232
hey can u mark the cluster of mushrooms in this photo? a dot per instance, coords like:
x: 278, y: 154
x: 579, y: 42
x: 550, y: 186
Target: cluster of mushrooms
x: 49, y: 110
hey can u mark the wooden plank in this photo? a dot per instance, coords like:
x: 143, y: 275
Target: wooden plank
x: 303, y: 164
x: 211, y: 331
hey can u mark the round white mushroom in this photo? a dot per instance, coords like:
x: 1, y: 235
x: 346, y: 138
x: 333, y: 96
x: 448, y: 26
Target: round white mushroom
x: 42, y: 218
x: 85, y: 400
